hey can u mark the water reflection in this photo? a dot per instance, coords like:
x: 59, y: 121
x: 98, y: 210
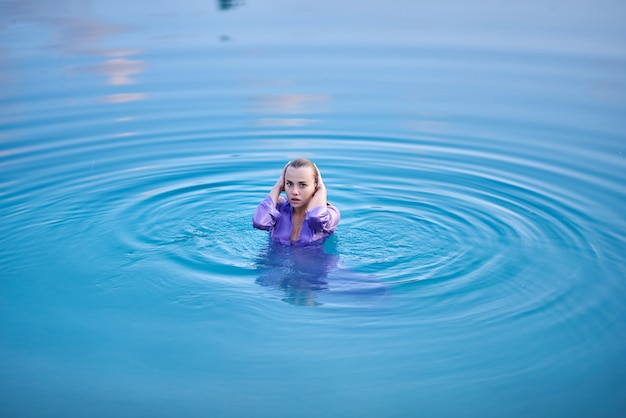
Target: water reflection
x: 5, y: 76
x: 124, y: 98
x: 300, y: 272
x: 72, y: 32
x: 289, y: 105
x: 228, y: 4
x: 311, y: 276
x: 119, y: 70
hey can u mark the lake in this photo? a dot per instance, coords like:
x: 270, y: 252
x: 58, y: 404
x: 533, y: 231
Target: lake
x: 476, y: 152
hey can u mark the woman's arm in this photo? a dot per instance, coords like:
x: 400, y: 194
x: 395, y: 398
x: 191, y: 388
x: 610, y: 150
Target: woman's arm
x: 320, y: 215
x: 323, y: 218
x: 266, y: 213
x: 279, y: 187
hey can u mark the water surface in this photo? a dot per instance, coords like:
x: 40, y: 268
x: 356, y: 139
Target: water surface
x: 476, y: 152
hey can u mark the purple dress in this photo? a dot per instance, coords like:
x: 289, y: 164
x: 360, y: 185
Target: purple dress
x: 318, y: 224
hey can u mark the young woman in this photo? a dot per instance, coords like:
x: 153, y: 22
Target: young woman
x: 305, y: 216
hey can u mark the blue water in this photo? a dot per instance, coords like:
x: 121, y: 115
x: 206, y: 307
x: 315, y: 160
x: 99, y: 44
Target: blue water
x: 476, y: 152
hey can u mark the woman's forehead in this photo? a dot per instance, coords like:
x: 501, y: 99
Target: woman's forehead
x: 299, y: 174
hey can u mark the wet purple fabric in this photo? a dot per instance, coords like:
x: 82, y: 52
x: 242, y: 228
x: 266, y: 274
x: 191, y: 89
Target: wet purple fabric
x: 318, y: 224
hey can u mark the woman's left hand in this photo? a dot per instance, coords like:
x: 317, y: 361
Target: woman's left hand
x: 320, y: 182
x: 319, y: 197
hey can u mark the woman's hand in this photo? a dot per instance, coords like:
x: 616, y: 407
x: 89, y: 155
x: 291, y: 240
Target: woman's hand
x: 320, y: 182
x: 279, y: 187
x: 280, y: 183
x: 319, y: 197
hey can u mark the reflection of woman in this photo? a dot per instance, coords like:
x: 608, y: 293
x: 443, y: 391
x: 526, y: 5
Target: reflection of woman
x: 308, y: 275
x: 299, y: 271
x: 305, y: 217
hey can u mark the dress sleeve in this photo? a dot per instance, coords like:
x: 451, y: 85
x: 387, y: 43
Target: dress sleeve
x: 265, y: 215
x: 323, y: 218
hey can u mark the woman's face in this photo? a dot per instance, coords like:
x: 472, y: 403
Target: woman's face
x: 299, y: 186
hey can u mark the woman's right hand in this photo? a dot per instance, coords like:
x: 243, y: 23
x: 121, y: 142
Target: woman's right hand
x: 279, y: 187
x: 280, y: 183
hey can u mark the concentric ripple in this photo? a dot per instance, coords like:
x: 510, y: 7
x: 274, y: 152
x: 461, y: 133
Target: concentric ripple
x: 470, y: 219
x: 479, y: 255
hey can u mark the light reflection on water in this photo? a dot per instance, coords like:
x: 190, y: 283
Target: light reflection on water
x: 477, y: 159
